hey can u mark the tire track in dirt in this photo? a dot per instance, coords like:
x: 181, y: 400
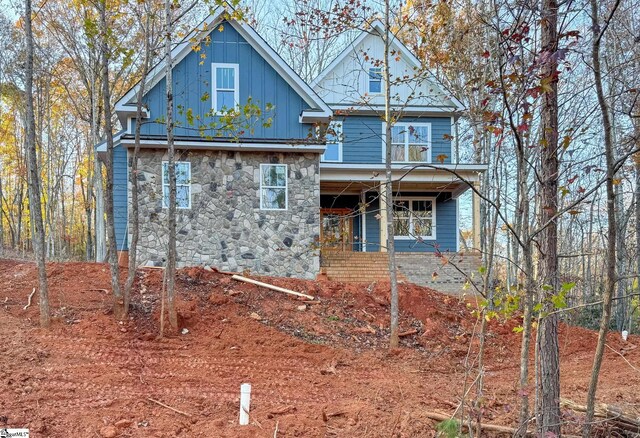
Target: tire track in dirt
x: 168, y: 370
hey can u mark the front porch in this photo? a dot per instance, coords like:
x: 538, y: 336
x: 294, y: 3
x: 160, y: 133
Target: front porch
x: 426, y: 224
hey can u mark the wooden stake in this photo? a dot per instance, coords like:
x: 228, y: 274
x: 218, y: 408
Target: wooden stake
x: 169, y: 407
x: 29, y: 299
x: 272, y: 287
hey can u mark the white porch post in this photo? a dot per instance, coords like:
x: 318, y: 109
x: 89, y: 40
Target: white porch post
x: 363, y: 220
x: 476, y: 218
x: 383, y: 218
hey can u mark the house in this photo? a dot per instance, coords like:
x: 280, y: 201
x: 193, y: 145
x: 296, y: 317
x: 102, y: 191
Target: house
x: 263, y: 191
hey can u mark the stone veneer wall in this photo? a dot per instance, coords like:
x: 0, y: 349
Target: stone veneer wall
x: 225, y: 226
x: 427, y: 269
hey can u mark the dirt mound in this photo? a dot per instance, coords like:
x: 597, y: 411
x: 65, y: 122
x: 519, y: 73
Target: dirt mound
x: 318, y: 369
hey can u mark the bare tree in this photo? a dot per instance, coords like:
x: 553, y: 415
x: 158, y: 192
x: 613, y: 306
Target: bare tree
x: 134, y: 217
x: 171, y: 250
x: 612, y: 226
x: 549, y: 409
x: 35, y: 206
x: 118, y: 301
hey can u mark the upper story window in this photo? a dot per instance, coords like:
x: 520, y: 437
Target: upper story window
x: 414, y: 218
x: 333, y: 151
x: 226, y: 89
x: 273, y: 187
x: 411, y: 142
x: 375, y: 80
x: 183, y: 184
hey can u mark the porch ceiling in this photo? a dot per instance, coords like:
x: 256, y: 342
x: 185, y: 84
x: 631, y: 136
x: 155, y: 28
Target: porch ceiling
x: 353, y: 178
x: 355, y: 187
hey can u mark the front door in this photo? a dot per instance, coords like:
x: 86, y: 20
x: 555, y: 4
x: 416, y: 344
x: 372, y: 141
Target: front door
x: 336, y: 231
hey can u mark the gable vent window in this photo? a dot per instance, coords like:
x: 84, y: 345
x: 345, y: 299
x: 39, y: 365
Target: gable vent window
x: 273, y: 187
x: 183, y: 184
x: 375, y: 80
x: 333, y: 151
x: 226, y: 94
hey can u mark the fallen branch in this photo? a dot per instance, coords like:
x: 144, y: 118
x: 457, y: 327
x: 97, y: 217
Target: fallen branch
x: 169, y: 407
x: 408, y: 333
x: 283, y: 410
x: 485, y: 426
x: 220, y: 271
x: 272, y: 287
x: 612, y: 414
x: 29, y: 299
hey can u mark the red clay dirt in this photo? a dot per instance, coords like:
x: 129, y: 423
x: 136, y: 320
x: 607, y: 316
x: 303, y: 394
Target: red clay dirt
x: 317, y: 370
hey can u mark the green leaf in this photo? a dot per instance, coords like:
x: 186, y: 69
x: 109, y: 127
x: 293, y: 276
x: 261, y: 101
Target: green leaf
x: 537, y: 307
x: 559, y: 301
x: 518, y: 329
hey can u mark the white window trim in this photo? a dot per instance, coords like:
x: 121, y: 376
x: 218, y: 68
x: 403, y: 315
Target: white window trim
x: 188, y: 163
x: 429, y: 144
x: 286, y: 187
x: 236, y: 84
x: 368, y: 79
x: 433, y: 217
x: 340, y: 137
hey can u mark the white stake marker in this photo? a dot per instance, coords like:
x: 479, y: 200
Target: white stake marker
x: 245, y: 400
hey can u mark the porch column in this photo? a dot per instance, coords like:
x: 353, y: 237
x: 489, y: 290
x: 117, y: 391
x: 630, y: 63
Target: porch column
x: 383, y: 218
x: 476, y: 218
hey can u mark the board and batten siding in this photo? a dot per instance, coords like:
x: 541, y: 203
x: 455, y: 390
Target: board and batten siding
x: 446, y: 226
x: 258, y: 81
x: 363, y: 138
x: 347, y: 82
x: 120, y: 207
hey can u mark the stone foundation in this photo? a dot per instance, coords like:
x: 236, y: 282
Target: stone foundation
x: 225, y: 226
x: 427, y: 269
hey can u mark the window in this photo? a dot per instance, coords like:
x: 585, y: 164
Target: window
x: 411, y: 142
x: 273, y: 187
x: 414, y: 218
x: 375, y: 80
x: 226, y: 87
x: 333, y: 152
x: 183, y: 184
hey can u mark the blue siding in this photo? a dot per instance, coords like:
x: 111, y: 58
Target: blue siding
x: 373, y: 224
x: 257, y: 80
x: 362, y: 138
x: 120, y: 168
x: 446, y: 226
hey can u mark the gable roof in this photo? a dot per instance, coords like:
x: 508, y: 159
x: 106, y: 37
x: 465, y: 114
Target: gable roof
x: 397, y: 44
x: 319, y: 110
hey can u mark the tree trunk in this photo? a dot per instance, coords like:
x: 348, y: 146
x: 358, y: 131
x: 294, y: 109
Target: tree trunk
x: 134, y: 218
x: 610, y: 283
x: 171, y: 253
x: 1, y: 220
x: 391, y: 250
x: 529, y: 286
x: 35, y: 207
x: 118, y: 302
x: 549, y: 409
